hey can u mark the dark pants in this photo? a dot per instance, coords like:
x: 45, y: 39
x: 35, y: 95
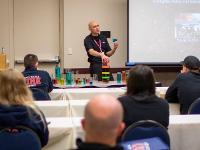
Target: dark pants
x: 96, y: 68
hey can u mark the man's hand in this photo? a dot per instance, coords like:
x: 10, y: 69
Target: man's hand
x: 105, y: 59
x: 115, y: 46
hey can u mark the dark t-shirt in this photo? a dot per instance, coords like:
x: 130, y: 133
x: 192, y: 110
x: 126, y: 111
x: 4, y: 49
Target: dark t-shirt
x: 94, y: 42
x: 151, y: 107
x: 97, y: 146
x: 38, y: 79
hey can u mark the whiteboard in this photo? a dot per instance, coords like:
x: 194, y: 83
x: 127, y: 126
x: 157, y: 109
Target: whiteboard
x: 163, y: 31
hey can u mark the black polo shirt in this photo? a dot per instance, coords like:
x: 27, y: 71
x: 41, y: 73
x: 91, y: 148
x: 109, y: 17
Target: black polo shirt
x: 92, y: 42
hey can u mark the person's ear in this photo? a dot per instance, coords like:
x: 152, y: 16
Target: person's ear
x: 121, y: 128
x: 36, y: 65
x: 184, y: 69
x: 83, y: 124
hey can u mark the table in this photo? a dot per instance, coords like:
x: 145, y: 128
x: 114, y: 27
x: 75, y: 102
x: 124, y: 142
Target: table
x: 62, y: 108
x: 84, y: 93
x: 98, y: 84
x: 87, y: 93
x: 75, y: 108
x: 63, y: 132
x: 184, y: 131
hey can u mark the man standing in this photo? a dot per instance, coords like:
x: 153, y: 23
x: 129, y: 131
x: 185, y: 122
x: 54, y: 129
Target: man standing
x: 186, y: 87
x: 98, y: 49
x: 102, y: 123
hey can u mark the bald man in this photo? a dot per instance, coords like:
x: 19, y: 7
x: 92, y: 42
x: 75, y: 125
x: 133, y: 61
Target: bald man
x: 102, y: 123
x: 98, y: 49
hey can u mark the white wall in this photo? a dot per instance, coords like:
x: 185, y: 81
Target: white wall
x: 111, y: 15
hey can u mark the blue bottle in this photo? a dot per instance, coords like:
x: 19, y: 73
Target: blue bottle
x: 57, y: 72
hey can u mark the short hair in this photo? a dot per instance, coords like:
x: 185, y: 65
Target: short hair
x: 30, y: 60
x: 191, y: 62
x: 140, y: 80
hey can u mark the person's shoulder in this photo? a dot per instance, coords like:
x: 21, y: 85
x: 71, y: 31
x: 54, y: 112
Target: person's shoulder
x: 181, y: 77
x: 162, y: 101
x: 88, y: 37
x: 124, y: 98
x: 43, y: 72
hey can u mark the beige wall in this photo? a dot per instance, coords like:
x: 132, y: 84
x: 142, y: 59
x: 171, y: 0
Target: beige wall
x: 6, y: 29
x: 35, y: 26
x: 111, y: 15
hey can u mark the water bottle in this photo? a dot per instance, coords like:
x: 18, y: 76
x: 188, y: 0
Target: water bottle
x: 119, y: 77
x: 124, y: 76
x: 57, y: 72
x: 69, y: 78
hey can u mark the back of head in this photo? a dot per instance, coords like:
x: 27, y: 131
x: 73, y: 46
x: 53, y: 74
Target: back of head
x: 30, y: 61
x: 13, y: 88
x: 141, y: 80
x: 191, y: 62
x: 103, y: 116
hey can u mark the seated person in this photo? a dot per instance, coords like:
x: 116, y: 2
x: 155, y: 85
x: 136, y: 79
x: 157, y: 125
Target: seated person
x: 102, y: 124
x: 36, y: 79
x: 186, y: 87
x: 140, y: 101
x: 17, y: 107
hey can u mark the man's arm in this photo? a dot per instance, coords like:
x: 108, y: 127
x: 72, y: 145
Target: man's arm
x: 95, y: 53
x: 104, y: 58
x: 172, y: 93
x: 111, y: 52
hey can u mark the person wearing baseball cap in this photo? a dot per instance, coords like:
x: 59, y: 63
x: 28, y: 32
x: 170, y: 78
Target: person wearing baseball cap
x: 186, y: 87
x: 190, y: 63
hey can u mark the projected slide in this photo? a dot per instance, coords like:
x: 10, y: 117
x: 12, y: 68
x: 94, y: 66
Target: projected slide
x: 163, y: 31
x: 187, y: 27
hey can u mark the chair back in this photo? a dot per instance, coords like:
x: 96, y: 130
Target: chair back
x: 154, y: 143
x: 195, y: 107
x: 146, y: 129
x: 19, y: 138
x: 39, y: 94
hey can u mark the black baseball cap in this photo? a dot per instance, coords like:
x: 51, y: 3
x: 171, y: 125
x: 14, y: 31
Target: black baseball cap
x: 191, y: 62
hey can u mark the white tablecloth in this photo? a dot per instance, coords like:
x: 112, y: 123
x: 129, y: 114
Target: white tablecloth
x: 62, y: 108
x: 84, y: 93
x: 184, y: 131
x: 87, y: 93
x: 63, y: 133
x: 75, y: 108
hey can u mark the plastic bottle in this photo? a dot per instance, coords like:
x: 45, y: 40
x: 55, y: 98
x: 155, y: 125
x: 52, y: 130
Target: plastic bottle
x: 57, y: 72
x: 124, y: 76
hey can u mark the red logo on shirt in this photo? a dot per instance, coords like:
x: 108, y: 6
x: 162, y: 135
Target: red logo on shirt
x: 33, y: 80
